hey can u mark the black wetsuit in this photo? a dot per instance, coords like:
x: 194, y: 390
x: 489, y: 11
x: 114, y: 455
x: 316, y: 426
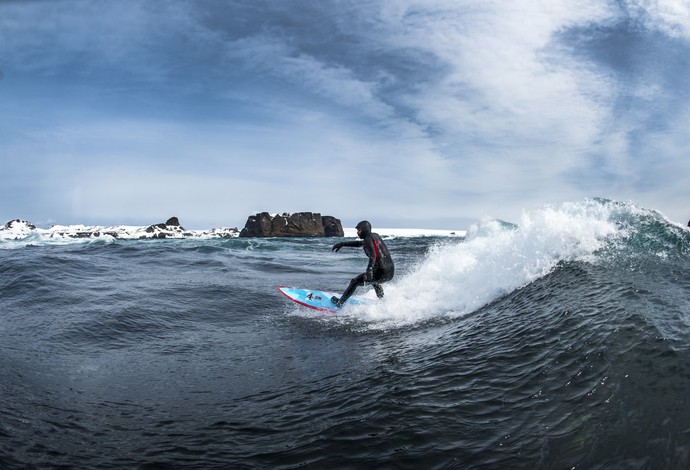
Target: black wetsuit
x: 380, y: 268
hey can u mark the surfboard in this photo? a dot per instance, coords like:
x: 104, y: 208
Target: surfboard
x: 318, y: 300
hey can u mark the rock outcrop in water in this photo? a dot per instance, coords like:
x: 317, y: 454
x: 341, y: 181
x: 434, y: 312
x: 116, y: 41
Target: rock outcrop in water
x: 299, y: 224
x: 332, y: 227
x: 17, y: 229
x: 171, y: 228
x: 18, y: 224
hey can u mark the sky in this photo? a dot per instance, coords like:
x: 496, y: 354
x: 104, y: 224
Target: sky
x: 419, y: 114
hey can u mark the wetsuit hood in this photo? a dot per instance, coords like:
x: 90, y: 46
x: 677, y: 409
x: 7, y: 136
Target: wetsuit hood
x: 364, y: 227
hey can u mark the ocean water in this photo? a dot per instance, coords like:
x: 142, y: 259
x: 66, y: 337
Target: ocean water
x: 560, y: 342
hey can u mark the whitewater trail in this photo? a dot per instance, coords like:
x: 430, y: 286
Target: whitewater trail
x: 459, y: 277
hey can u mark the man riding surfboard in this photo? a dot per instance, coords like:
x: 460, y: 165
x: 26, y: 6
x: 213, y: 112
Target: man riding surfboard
x: 380, y: 268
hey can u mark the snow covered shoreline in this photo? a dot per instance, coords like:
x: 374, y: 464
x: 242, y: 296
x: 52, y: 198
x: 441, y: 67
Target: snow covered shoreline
x: 20, y: 230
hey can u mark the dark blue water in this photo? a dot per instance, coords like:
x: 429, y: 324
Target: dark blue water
x: 563, y: 343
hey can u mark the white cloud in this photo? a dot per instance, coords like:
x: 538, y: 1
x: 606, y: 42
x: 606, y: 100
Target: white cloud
x: 671, y: 17
x: 502, y: 83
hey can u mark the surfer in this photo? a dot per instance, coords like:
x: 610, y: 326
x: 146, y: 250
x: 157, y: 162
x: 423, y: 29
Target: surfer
x: 380, y: 268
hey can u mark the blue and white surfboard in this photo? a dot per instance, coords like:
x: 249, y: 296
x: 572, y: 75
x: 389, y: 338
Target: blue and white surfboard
x: 318, y: 300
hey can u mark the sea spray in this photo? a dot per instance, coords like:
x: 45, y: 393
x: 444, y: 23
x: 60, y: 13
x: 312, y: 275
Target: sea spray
x: 459, y: 277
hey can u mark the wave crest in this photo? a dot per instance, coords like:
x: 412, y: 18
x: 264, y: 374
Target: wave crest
x: 496, y: 258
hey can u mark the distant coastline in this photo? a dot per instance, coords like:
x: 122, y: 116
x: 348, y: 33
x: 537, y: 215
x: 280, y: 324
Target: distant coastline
x: 18, y: 229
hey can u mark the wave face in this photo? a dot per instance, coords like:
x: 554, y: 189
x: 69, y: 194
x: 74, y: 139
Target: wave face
x: 561, y: 341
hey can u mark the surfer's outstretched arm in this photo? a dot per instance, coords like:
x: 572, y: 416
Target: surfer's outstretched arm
x: 353, y: 244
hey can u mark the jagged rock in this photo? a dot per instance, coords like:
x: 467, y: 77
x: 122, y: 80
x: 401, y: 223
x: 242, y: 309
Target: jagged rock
x: 17, y: 230
x: 299, y: 224
x: 332, y: 226
x: 171, y: 226
x: 16, y: 223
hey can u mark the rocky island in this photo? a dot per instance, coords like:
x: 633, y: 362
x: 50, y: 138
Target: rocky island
x: 298, y: 224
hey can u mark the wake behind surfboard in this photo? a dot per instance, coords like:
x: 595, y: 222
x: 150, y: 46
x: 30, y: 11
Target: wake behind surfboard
x: 318, y: 300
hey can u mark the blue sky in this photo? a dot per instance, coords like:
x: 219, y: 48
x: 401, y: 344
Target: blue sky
x: 426, y: 114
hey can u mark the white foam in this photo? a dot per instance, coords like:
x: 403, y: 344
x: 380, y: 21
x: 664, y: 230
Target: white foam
x: 21, y: 230
x: 458, y: 277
